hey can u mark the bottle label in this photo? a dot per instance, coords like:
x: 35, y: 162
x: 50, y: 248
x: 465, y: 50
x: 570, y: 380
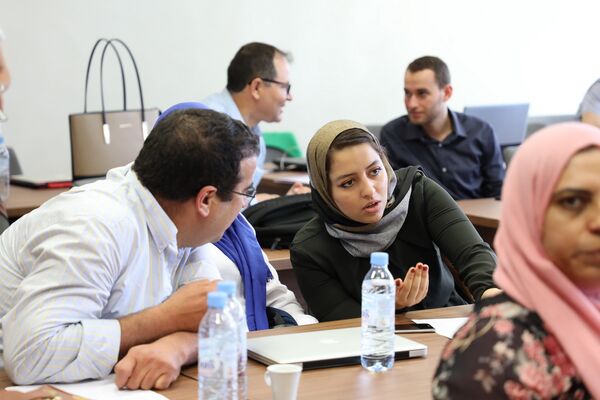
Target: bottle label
x: 217, y: 356
x: 229, y: 358
x: 208, y: 360
x: 377, y: 311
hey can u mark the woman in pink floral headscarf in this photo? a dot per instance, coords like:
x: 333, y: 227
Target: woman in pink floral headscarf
x: 541, y: 338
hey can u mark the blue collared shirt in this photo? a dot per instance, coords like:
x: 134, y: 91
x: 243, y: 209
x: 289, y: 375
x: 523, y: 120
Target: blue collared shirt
x: 468, y: 163
x: 223, y: 102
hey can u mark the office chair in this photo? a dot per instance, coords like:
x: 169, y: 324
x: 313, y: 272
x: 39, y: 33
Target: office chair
x: 14, y: 166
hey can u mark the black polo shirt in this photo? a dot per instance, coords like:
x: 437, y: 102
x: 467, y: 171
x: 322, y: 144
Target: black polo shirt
x: 468, y: 163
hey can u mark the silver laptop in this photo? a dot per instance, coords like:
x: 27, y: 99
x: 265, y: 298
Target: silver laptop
x: 508, y: 120
x: 321, y: 349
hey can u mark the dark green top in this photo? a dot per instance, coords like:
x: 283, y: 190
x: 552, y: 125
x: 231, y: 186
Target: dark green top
x: 330, y: 278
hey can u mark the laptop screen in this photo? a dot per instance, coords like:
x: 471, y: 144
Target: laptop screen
x: 509, y: 121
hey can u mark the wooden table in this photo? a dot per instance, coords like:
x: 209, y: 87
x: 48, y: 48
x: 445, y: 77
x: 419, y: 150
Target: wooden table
x: 22, y: 200
x: 409, y: 379
x: 482, y: 212
x: 279, y: 259
x: 184, y: 388
x: 278, y: 182
x: 485, y: 216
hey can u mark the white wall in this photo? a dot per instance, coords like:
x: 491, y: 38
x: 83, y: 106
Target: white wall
x: 349, y: 57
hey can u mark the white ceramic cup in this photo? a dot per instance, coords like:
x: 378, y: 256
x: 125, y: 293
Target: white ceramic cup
x: 283, y: 380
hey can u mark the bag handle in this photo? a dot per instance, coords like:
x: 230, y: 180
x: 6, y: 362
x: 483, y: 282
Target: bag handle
x: 105, y: 127
x: 89, y: 66
x: 107, y: 43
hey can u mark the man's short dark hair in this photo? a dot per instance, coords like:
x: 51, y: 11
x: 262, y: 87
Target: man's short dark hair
x: 439, y: 68
x: 253, y: 60
x: 190, y: 149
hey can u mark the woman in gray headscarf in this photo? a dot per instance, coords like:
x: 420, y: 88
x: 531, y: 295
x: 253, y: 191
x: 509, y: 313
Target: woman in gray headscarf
x: 364, y: 206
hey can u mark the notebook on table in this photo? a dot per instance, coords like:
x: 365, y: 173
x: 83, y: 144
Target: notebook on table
x: 41, y: 182
x: 322, y: 349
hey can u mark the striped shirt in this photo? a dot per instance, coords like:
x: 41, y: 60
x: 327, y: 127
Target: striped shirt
x: 75, y: 265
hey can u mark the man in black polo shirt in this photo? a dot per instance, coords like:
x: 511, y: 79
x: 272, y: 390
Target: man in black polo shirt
x: 458, y: 151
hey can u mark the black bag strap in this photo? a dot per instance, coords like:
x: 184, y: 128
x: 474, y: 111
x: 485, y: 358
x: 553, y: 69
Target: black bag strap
x: 89, y: 66
x: 105, y: 126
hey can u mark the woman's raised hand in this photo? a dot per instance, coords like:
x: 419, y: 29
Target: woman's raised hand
x: 414, y: 287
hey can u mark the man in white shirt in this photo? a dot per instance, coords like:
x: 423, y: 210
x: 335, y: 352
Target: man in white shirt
x: 110, y: 271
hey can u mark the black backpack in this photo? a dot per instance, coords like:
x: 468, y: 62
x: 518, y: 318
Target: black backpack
x: 276, y: 221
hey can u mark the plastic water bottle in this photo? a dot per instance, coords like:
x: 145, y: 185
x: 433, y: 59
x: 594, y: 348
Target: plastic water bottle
x: 378, y: 316
x: 4, y: 171
x: 238, y: 312
x: 217, y: 352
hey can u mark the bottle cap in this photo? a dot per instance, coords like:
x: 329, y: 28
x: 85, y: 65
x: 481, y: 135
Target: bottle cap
x: 217, y: 299
x: 226, y: 287
x: 379, y: 258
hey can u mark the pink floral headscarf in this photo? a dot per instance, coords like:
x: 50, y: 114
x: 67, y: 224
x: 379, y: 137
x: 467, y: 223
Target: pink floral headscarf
x: 524, y: 271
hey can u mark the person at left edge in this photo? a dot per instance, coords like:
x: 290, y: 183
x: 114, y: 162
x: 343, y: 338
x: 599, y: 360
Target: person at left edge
x: 105, y: 276
x: 4, y: 84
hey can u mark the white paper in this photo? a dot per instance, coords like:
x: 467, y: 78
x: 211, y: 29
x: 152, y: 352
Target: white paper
x: 444, y: 326
x: 98, y: 389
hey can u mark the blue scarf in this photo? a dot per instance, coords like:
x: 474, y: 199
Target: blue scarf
x: 240, y: 245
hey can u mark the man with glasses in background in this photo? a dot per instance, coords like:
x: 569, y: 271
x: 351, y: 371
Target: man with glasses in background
x: 258, y: 87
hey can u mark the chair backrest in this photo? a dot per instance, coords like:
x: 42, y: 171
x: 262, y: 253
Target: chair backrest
x: 15, y: 167
x: 538, y: 122
x: 508, y: 152
x: 284, y: 141
x: 375, y: 130
x: 274, y: 153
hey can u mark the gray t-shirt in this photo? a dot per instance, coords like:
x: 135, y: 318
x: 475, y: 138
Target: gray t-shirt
x: 591, y: 100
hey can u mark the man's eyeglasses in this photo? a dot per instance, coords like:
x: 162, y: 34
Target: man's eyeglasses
x: 250, y: 193
x: 286, y: 85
